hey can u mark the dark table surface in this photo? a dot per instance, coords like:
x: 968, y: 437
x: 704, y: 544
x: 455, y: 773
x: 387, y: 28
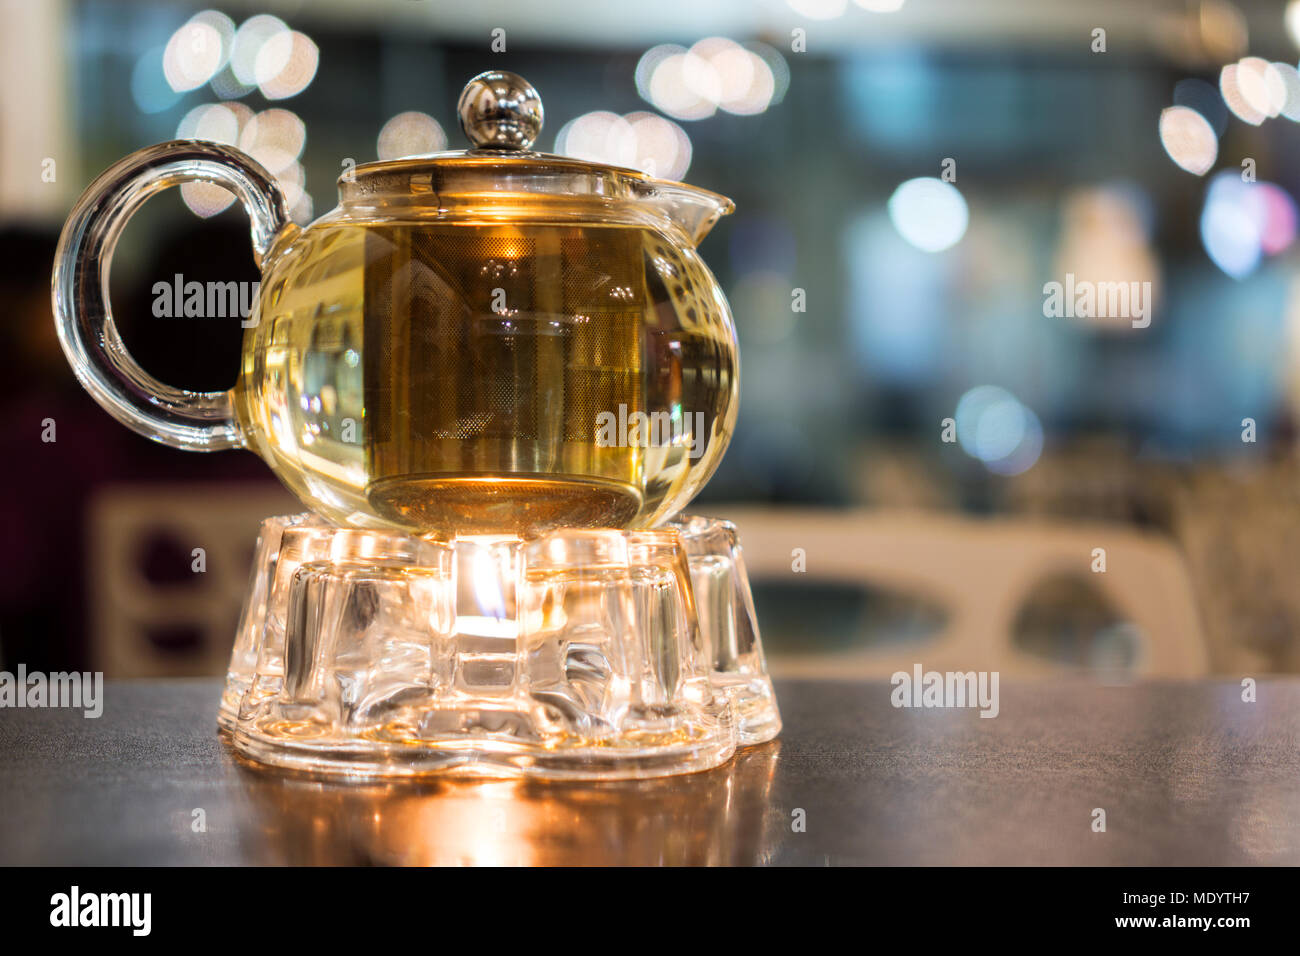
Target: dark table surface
x: 1187, y: 773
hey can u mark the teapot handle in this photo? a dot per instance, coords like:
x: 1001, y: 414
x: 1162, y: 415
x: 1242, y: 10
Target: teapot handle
x: 194, y: 421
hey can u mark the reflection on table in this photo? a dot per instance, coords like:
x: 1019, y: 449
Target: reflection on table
x: 720, y: 816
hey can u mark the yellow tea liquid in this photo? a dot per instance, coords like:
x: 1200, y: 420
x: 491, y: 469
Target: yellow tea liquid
x: 462, y: 378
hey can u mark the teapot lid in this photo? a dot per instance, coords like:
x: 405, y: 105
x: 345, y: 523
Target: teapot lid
x: 501, y: 115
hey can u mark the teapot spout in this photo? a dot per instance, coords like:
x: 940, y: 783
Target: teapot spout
x: 694, y: 211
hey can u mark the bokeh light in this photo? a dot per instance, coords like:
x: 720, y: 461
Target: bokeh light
x: 286, y: 64
x: 206, y: 199
x: 1189, y: 139
x: 649, y: 62
x: 994, y: 427
x: 275, y: 138
x: 1243, y: 222
x: 1276, y: 217
x: 598, y: 137
x: 1261, y: 85
x: 679, y: 86
x: 1231, y: 238
x: 193, y: 55
x: 410, y: 134
x: 642, y: 141
x: 1291, y: 83
x: 929, y: 213
x: 1255, y: 89
x: 263, y: 53
x: 662, y: 147
x: 253, y: 34
x: 745, y: 82
x: 716, y: 73
x: 215, y: 122
x: 1229, y: 86
x: 1292, y: 18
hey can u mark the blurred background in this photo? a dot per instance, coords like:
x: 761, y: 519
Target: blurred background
x: 931, y: 464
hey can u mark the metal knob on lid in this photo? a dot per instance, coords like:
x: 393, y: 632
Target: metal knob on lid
x: 500, y: 110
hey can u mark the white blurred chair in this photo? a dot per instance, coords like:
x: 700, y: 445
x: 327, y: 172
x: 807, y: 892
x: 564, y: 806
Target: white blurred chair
x: 223, y: 520
x: 980, y: 571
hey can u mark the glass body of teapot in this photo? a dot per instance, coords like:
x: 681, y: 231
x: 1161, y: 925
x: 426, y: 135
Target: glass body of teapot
x: 491, y: 341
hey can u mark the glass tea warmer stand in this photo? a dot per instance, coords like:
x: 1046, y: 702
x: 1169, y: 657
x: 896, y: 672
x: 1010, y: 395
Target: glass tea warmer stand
x: 495, y: 377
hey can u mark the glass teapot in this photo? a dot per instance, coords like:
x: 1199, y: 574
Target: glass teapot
x: 486, y: 341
